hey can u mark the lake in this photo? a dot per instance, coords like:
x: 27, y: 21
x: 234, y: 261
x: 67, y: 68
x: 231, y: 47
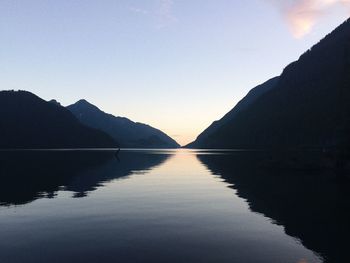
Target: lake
x: 165, y: 206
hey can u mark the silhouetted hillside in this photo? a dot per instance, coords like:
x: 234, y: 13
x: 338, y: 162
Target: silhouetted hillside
x: 26, y: 121
x: 308, y: 106
x: 248, y: 100
x: 125, y: 131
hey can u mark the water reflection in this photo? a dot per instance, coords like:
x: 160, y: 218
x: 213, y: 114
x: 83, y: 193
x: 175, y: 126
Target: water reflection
x: 29, y: 175
x: 312, y: 206
x: 168, y: 207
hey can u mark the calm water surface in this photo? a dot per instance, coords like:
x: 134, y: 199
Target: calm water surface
x: 146, y: 206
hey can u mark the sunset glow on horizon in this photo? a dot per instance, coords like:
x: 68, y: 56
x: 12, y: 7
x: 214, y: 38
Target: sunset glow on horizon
x: 175, y: 65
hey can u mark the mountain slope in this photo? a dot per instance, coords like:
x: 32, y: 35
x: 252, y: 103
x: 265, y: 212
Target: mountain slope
x: 26, y: 121
x: 248, y: 100
x: 125, y: 131
x: 308, y: 107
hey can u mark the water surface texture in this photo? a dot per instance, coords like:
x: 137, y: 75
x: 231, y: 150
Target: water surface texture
x: 142, y: 206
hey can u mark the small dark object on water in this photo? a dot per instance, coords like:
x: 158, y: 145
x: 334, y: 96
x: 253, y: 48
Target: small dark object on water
x: 116, y: 154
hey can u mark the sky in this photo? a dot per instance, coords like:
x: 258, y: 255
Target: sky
x: 177, y: 65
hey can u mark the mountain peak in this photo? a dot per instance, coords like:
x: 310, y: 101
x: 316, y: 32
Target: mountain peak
x: 123, y: 130
x: 55, y: 102
x: 84, y: 104
x: 28, y: 121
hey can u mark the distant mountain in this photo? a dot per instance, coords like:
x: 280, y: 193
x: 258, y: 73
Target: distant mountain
x: 27, y: 121
x: 126, y: 132
x: 307, y: 106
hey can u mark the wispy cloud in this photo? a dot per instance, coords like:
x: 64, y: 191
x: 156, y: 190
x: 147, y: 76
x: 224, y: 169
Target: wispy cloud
x: 162, y: 11
x: 138, y: 10
x: 165, y: 13
x: 302, y: 15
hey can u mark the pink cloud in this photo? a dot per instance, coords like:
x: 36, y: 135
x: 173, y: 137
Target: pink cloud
x: 302, y: 15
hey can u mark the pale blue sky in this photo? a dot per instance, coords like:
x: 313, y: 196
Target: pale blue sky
x: 175, y: 64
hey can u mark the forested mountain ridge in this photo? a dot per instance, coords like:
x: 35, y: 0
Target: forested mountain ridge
x: 27, y: 121
x: 308, y: 107
x: 249, y: 99
x: 126, y: 132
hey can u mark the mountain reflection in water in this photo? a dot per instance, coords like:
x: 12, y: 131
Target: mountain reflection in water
x: 311, y: 205
x: 28, y: 175
x: 155, y: 206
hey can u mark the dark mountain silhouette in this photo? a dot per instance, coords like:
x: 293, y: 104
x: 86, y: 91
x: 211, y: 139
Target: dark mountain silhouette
x: 55, y: 102
x: 307, y: 107
x: 27, y: 121
x: 126, y: 132
x: 248, y: 100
